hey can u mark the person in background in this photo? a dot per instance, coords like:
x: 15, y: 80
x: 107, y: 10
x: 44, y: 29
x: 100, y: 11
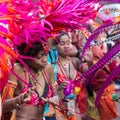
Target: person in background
x: 78, y: 40
x: 106, y: 103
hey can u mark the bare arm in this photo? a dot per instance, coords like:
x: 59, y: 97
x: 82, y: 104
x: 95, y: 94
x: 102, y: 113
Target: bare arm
x: 58, y: 93
x: 9, y: 102
x: 12, y: 101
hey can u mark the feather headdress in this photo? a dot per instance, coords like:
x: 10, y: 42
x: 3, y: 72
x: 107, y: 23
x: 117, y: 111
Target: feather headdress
x: 28, y: 21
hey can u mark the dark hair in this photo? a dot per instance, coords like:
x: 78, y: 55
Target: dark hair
x: 30, y: 50
x: 60, y: 34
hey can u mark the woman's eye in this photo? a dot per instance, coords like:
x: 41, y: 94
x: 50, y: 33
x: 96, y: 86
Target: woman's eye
x: 68, y: 43
x: 62, y: 43
x: 39, y: 57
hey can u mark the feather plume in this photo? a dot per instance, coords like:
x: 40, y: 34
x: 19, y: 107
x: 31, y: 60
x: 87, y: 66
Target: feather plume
x: 29, y: 21
x: 108, y: 56
x: 102, y: 28
x: 109, y: 79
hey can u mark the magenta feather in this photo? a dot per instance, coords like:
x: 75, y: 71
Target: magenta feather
x: 70, y: 14
x: 34, y: 20
x: 31, y: 33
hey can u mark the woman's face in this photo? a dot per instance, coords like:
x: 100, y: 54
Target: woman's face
x: 64, y: 45
x: 39, y: 62
x: 78, y: 40
x: 81, y: 40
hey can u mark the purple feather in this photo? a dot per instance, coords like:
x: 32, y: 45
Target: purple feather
x: 101, y: 62
x: 106, y: 83
x: 97, y: 31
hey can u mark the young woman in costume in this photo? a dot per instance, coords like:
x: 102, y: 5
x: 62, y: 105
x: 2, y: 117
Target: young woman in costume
x: 66, y: 72
x: 28, y: 100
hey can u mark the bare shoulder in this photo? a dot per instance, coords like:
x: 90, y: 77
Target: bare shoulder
x: 18, y: 69
x: 49, y: 70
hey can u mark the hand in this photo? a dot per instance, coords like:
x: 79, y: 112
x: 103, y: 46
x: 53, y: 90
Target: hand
x: 53, y: 100
x: 88, y: 57
x: 30, y: 97
x: 63, y: 85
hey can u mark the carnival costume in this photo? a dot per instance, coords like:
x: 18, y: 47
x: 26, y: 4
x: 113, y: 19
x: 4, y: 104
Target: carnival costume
x: 24, y: 18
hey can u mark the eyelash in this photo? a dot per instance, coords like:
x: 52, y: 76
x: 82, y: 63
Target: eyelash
x: 39, y: 57
x: 64, y: 43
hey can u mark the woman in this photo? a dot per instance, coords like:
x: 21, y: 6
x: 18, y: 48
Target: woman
x: 28, y: 101
x: 66, y: 73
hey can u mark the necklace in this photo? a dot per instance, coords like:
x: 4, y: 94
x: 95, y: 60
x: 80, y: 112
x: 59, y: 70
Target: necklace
x: 35, y: 81
x: 66, y: 68
x: 65, y: 65
x: 39, y: 87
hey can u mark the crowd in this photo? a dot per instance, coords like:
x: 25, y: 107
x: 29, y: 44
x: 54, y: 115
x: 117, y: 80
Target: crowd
x: 50, y: 78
